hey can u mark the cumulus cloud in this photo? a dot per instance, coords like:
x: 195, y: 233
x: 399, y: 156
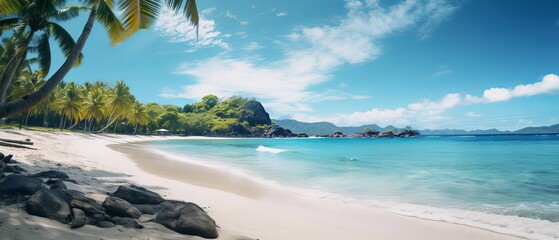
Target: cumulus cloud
x: 314, y: 53
x: 282, y: 14
x: 429, y: 112
x: 549, y: 84
x: 173, y: 26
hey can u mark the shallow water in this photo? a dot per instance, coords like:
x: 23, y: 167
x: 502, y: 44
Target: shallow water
x: 514, y: 176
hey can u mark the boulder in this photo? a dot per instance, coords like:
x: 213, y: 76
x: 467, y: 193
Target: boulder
x: 79, y: 218
x: 7, y: 159
x: 120, y: 207
x: 105, y: 224
x: 93, y: 219
x: 14, y: 169
x: 90, y: 207
x: 145, y: 208
x: 58, y: 184
x: 276, y: 131
x: 337, y: 134
x: 52, y: 174
x: 187, y: 218
x: 128, y: 223
x: 138, y: 195
x: 20, y: 184
x: 45, y: 203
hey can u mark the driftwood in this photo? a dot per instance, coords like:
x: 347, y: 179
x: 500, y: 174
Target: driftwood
x: 16, y: 141
x: 7, y: 144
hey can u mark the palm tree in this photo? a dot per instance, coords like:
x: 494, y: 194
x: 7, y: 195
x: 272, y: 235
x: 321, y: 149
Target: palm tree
x: 70, y: 104
x: 119, y: 103
x: 25, y: 84
x: 28, y: 18
x: 138, y: 116
x: 94, y: 105
x: 137, y: 14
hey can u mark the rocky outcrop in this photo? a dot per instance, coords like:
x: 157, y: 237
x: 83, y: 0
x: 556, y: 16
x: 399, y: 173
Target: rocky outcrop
x: 45, y: 203
x: 18, y: 184
x: 275, y: 131
x: 120, y: 207
x: 58, y: 184
x: 79, y: 218
x: 187, y: 218
x: 255, y: 114
x: 51, y: 174
x: 138, y: 195
x: 337, y: 134
x: 127, y: 222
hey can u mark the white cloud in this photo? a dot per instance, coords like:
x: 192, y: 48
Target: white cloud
x: 472, y: 114
x: 243, y: 23
x: 252, y: 46
x: 549, y: 84
x: 208, y: 11
x: 443, y: 72
x: 313, y: 54
x: 230, y: 15
x: 282, y: 14
x: 428, y: 113
x: 174, y: 26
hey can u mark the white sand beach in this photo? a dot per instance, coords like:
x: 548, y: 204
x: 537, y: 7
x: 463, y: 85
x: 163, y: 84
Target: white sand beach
x: 243, y: 208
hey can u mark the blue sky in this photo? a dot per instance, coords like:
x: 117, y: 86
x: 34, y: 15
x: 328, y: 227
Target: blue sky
x: 467, y: 64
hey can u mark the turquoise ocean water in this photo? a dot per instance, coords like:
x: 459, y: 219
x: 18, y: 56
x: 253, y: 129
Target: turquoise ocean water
x: 508, y: 184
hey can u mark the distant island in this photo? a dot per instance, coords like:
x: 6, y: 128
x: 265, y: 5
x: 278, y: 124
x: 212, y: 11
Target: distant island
x: 326, y: 128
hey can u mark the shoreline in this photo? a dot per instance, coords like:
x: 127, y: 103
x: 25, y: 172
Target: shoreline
x: 257, y: 190
x: 241, y: 207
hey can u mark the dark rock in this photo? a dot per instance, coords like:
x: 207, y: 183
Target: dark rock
x: 255, y: 114
x: 2, y: 156
x: 337, y: 134
x: 52, y: 174
x: 128, y: 223
x: 20, y: 184
x: 90, y: 207
x: 58, y: 184
x: 14, y: 169
x: 79, y: 218
x: 187, y: 218
x: 277, y: 131
x: 7, y: 159
x: 145, y: 208
x: 120, y: 207
x: 302, y: 135
x: 387, y: 134
x: 138, y: 195
x: 45, y: 203
x: 93, y: 219
x: 105, y: 224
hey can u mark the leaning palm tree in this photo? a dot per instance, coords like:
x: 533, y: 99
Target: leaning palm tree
x: 33, y: 23
x: 25, y: 84
x: 94, y: 106
x: 136, y: 15
x: 119, y: 103
x: 138, y: 116
x: 70, y: 104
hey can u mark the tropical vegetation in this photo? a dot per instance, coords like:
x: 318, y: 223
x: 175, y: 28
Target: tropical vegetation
x: 30, y: 23
x: 98, y: 106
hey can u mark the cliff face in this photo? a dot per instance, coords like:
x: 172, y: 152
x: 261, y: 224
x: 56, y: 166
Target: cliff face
x: 255, y: 114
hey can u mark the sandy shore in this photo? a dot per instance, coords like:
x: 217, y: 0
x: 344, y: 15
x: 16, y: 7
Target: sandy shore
x: 243, y: 208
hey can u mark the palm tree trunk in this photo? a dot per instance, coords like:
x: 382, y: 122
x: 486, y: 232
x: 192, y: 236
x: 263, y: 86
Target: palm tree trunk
x: 26, y: 102
x: 26, y: 118
x: 45, y: 120
x: 12, y: 69
x: 135, y: 128
x: 20, y: 120
x: 61, y: 119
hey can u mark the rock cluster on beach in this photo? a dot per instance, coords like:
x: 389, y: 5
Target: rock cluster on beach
x: 45, y: 194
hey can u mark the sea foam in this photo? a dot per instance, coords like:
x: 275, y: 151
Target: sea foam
x: 270, y: 150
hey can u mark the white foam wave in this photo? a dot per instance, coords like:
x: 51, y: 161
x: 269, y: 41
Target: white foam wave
x: 270, y: 150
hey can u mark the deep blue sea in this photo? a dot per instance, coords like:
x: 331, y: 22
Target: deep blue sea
x: 508, y: 184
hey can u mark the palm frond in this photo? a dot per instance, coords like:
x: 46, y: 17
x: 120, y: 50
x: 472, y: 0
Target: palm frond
x: 139, y: 14
x: 190, y: 10
x: 69, y: 13
x: 110, y: 21
x: 11, y: 7
x: 8, y: 23
x: 44, y: 56
x: 64, y: 39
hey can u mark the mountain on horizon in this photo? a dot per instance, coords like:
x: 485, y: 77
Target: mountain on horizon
x: 326, y: 128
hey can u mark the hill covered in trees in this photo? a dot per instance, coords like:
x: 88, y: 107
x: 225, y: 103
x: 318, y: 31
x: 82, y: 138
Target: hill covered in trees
x: 98, y: 107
